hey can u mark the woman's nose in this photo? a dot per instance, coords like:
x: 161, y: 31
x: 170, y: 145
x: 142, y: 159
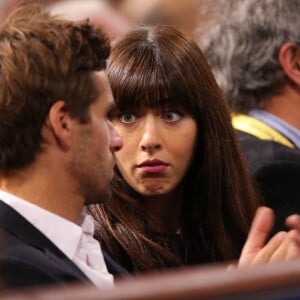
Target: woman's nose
x: 150, y: 140
x: 116, y: 142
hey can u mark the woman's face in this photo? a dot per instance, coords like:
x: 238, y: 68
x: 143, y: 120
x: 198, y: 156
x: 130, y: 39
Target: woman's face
x: 158, y: 149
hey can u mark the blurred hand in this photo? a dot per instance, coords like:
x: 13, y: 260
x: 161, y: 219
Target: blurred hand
x: 282, y: 246
x: 293, y: 222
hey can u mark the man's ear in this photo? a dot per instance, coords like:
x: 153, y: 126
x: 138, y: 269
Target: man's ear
x: 289, y: 57
x: 60, y: 123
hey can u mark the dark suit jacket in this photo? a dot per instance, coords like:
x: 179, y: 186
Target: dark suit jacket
x: 29, y: 258
x: 276, y: 169
x: 259, y: 152
x: 279, y: 184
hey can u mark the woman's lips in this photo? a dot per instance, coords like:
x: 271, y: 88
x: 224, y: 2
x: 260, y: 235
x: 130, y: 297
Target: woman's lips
x: 154, y: 169
x: 153, y: 166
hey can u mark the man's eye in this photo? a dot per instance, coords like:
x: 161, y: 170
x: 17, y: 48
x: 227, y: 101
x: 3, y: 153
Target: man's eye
x: 171, y: 116
x: 127, y: 118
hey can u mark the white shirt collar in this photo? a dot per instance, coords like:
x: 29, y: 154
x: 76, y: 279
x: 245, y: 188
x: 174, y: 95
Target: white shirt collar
x: 64, y: 234
x: 290, y: 132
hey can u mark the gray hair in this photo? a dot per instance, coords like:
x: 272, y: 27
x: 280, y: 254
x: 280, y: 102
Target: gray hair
x: 242, y: 42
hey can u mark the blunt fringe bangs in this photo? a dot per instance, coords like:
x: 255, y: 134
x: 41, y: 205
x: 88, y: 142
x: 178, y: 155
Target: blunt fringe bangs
x: 144, y: 80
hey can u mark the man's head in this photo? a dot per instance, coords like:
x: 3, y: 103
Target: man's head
x: 247, y: 48
x: 55, y: 101
x: 43, y: 59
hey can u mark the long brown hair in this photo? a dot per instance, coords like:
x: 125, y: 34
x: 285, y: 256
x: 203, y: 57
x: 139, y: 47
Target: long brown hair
x: 149, y: 67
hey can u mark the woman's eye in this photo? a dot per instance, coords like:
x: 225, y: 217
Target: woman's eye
x: 127, y: 118
x: 171, y: 116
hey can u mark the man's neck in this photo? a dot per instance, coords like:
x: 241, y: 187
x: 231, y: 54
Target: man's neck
x: 286, y: 106
x: 44, y: 189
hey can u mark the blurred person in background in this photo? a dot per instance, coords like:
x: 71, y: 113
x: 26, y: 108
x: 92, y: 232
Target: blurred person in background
x: 100, y: 13
x: 181, y: 14
x: 253, y: 47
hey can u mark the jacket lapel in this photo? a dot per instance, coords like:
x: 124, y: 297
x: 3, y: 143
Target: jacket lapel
x: 17, y: 225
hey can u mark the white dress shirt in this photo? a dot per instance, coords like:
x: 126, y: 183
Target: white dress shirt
x: 76, y: 242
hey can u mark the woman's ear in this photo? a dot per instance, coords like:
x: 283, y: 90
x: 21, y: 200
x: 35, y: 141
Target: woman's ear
x: 60, y: 123
x: 289, y: 58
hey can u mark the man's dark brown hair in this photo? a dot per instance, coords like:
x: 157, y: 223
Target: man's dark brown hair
x: 43, y: 59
